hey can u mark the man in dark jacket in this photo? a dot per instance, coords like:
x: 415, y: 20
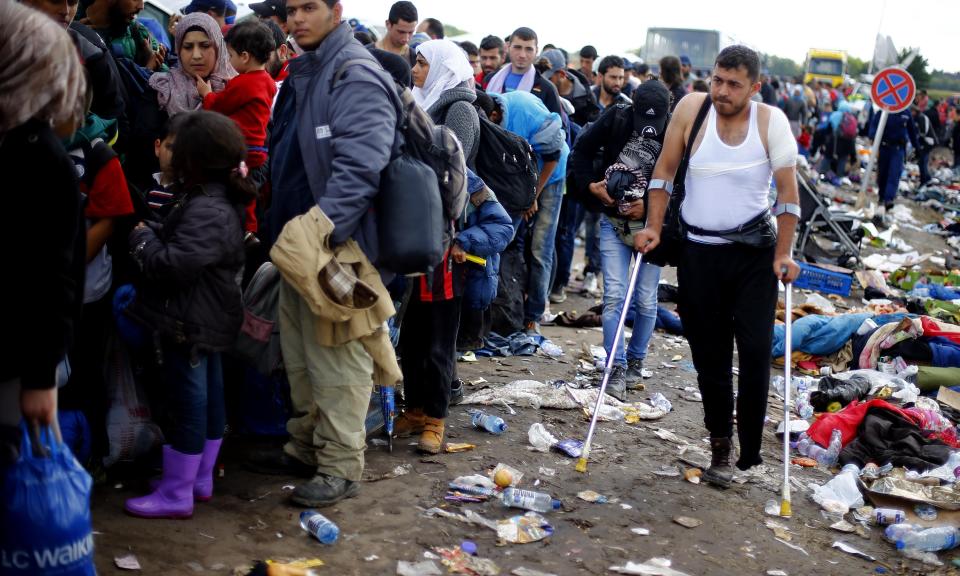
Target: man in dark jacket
x: 330, y: 142
x: 612, y: 79
x: 571, y: 86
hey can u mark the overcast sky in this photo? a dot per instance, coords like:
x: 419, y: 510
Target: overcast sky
x: 785, y: 29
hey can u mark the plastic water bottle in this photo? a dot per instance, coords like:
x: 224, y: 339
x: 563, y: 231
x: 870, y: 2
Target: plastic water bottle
x: 529, y: 500
x: 829, y: 456
x: 319, y: 527
x: 807, y: 447
x: 489, y: 422
x: 895, y: 532
x: 930, y: 540
x: 803, y: 407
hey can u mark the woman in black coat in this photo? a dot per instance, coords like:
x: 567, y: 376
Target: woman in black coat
x: 42, y: 240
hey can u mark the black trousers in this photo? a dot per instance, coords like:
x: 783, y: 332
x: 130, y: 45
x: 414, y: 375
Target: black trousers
x: 428, y: 354
x: 729, y: 293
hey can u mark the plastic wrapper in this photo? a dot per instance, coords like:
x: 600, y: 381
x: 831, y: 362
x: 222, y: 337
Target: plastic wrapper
x: 530, y: 527
x: 570, y: 447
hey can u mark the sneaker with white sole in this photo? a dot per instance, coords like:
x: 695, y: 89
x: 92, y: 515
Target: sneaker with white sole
x: 559, y: 297
x: 590, y: 284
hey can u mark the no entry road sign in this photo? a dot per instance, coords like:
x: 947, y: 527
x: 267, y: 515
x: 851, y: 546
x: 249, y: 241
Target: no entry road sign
x: 893, y: 90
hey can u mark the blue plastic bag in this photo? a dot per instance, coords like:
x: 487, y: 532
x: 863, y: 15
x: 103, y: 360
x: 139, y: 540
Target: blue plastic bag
x: 46, y: 522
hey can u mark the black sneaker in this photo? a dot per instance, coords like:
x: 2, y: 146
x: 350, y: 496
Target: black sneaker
x: 617, y: 384
x: 456, y: 392
x: 278, y: 463
x: 323, y: 490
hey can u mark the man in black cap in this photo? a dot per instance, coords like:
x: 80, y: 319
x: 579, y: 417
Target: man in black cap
x: 572, y: 86
x: 272, y: 10
x: 628, y: 138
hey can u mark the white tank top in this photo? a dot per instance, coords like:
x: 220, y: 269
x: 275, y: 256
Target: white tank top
x: 726, y: 186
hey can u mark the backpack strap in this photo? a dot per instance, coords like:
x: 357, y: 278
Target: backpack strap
x: 694, y: 131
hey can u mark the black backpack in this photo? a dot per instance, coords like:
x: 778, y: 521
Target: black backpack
x: 423, y: 190
x: 506, y: 163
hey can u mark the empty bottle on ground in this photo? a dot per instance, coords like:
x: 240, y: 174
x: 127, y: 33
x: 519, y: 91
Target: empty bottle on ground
x: 929, y: 539
x: 319, y: 526
x: 529, y: 500
x: 489, y: 422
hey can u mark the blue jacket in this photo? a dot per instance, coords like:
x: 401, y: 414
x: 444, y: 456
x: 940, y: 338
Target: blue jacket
x: 487, y: 231
x: 525, y: 115
x: 900, y: 128
x: 330, y: 142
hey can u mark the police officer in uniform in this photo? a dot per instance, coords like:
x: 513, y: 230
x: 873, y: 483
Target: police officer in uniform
x: 893, y: 146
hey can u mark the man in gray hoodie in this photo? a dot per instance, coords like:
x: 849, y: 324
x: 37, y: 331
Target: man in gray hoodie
x: 334, y: 131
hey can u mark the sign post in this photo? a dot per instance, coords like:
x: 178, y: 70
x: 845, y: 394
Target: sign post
x: 892, y: 91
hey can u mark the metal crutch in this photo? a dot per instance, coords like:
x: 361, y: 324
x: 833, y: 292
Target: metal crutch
x: 785, y: 510
x: 611, y: 355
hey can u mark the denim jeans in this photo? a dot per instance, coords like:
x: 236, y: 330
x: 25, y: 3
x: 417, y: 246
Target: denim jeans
x: 615, y: 261
x: 195, y: 380
x: 572, y: 215
x: 591, y: 232
x: 542, y: 250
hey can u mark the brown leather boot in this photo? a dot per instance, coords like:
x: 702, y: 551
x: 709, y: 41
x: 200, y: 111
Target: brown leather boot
x: 431, y: 440
x: 720, y: 472
x: 408, y: 423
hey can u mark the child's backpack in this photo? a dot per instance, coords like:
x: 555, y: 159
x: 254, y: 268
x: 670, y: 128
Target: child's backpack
x: 506, y: 163
x: 422, y: 191
x: 848, y: 126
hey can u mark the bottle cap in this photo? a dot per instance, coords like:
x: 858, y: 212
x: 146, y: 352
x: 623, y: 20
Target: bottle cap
x: 469, y: 547
x: 556, y: 504
x: 901, y: 545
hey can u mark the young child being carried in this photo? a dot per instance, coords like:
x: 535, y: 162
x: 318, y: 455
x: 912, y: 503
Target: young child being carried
x: 247, y: 100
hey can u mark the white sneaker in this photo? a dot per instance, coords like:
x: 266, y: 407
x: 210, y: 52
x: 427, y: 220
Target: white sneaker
x: 590, y: 284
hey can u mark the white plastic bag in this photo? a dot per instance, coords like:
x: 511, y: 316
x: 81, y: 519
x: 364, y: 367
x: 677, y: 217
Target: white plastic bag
x: 130, y: 431
x: 540, y: 438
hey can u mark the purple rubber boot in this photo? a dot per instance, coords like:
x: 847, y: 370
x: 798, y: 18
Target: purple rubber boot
x: 203, y: 487
x: 173, y: 497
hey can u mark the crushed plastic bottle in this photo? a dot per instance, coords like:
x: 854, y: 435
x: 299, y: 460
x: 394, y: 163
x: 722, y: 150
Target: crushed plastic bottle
x: 802, y: 406
x: 658, y: 400
x: 929, y: 539
x: 829, y: 456
x: 318, y: 526
x: 529, y: 500
x: 489, y: 422
x: 551, y: 349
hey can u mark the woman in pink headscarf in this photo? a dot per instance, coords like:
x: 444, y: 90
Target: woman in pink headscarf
x: 203, y: 53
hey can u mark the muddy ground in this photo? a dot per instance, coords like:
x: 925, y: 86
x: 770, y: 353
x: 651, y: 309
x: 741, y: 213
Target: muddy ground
x: 250, y: 519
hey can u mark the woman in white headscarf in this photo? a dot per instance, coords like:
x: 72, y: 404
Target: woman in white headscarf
x: 444, y: 87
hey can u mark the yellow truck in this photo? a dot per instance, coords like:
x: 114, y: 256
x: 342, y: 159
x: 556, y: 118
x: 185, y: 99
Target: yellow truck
x: 825, y: 66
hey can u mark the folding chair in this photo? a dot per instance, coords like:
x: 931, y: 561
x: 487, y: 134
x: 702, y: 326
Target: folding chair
x: 816, y: 218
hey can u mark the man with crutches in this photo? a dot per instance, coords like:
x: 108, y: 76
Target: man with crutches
x: 732, y: 255
x: 628, y: 139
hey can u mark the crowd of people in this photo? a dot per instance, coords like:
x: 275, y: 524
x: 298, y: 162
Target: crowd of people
x: 173, y: 163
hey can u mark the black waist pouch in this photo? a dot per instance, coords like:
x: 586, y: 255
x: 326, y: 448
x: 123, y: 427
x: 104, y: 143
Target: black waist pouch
x: 758, y: 232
